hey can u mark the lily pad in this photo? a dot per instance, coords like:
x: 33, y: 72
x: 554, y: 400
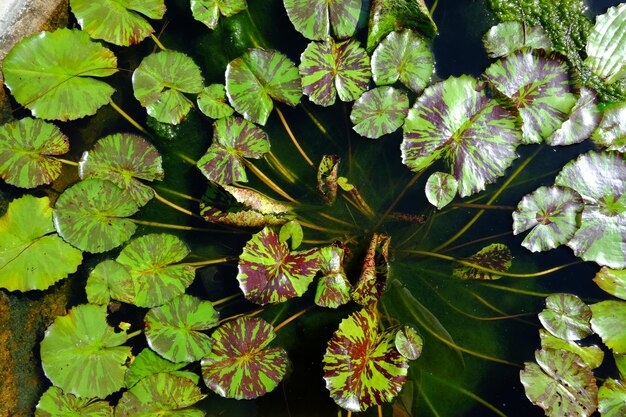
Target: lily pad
x: 333, y: 287
x: 213, y: 103
x: 379, y: 111
x: 440, y: 189
x: 537, y: 83
x: 551, y: 213
x: 259, y: 76
x: 52, y: 74
x: 124, y: 159
x: 108, y: 281
x: 403, y: 56
x: 26, y: 147
x: 495, y: 256
x: 240, y: 364
x: 291, y: 230
x: 91, y: 215
x: 160, y: 81
x: 330, y: 67
x: 362, y: 366
x: 233, y: 140
x: 455, y: 119
x: 591, y: 355
x: 149, y: 260
x: 607, y: 320
x: 612, y: 398
x: 327, y: 173
x: 566, y: 317
x: 118, y: 22
x: 148, y: 363
x: 81, y: 353
x: 560, y: 384
x: 208, y: 11
x: 314, y: 18
x: 583, y: 119
x: 611, y: 132
x: 270, y: 273
x: 409, y: 343
x: 54, y: 403
x: 161, y: 394
x: 601, y: 236
x: 612, y: 281
x: 174, y: 330
x: 375, y: 272
x: 32, y: 256
x: 507, y: 37
x: 606, y: 45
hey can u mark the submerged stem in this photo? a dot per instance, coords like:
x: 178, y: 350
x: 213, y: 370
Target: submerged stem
x: 278, y: 166
x: 271, y: 184
x: 483, y: 206
x: 176, y: 207
x: 200, y: 264
x: 133, y: 334
x: 158, y: 42
x: 178, y: 226
x: 130, y: 119
x: 67, y: 161
x: 226, y: 299
x: 293, y: 138
x: 320, y: 228
x: 178, y: 194
x: 398, y: 198
x: 290, y: 319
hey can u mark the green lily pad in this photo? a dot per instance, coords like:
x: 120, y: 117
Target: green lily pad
x: 379, y: 111
x: 409, y: 343
x: 108, y: 281
x: 607, y: 320
x: 81, y: 353
x: 620, y: 363
x: 591, y: 355
x: 612, y: 281
x: 174, y: 330
x: 403, y: 56
x: 54, y: 403
x: 375, y: 272
x: 537, y: 84
x: 601, y: 236
x: 148, y: 363
x: 362, y: 366
x: 440, y: 189
x: 123, y: 159
x: 507, y: 37
x: 32, y: 256
x: 330, y: 67
x: 611, y: 132
x: 333, y: 287
x: 612, y: 398
x: 213, y: 103
x: 270, y: 273
x: 606, y: 47
x: 162, y: 394
x: 240, y: 364
x: 291, y: 230
x: 560, y: 384
x: 26, y: 147
x: 455, y: 119
x: 160, y: 81
x: 115, y: 21
x: 91, y: 215
x: 583, y: 119
x: 552, y: 215
x: 314, y: 18
x: 259, y: 76
x: 51, y: 73
x: 327, y: 173
x: 495, y: 256
x: 149, y: 260
x: 566, y: 316
x: 233, y: 140
x: 208, y: 11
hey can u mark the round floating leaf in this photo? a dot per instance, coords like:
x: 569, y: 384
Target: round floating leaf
x: 560, y: 384
x: 608, y: 318
x: 213, y: 103
x: 51, y: 73
x: 440, y: 189
x: 233, y: 140
x: 208, y: 11
x: 240, y: 365
x: 375, y: 272
x: 149, y: 363
x: 313, y: 18
x: 108, y: 281
x: 328, y: 68
x: 32, y: 257
x: 592, y: 355
x: 537, y: 83
x: 362, y: 367
x: 551, y: 213
x: 379, y: 111
x: 566, y: 317
x: 611, y: 133
x: 91, y: 215
x: 259, y: 76
x: 409, y: 343
x: 291, y: 230
x: 495, y: 257
x: 160, y: 81
x: 162, y: 394
x: 612, y: 398
x: 333, y: 287
x: 148, y: 259
x: 403, y: 56
x: 81, y: 353
x: 54, y: 403
x: 327, y: 173
x: 123, y: 159
x: 612, y: 281
x: 456, y: 119
x: 507, y: 37
x: 583, y: 119
x: 602, y: 233
x: 115, y: 21
x: 25, y: 146
x: 606, y: 45
x: 174, y: 330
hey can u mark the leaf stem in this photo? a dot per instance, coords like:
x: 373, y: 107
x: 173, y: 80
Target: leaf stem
x: 133, y: 334
x: 515, y: 290
x: 483, y: 206
x: 187, y: 159
x: 226, y: 299
x: 177, y: 207
x: 181, y: 195
x: 293, y: 139
x: 176, y: 226
x: 251, y: 314
x: 260, y: 175
x: 130, y: 119
x: 398, y: 198
x: 319, y: 228
x: 334, y: 219
x: 433, y: 8
x: 290, y: 319
x: 277, y: 166
x: 158, y: 42
x: 200, y: 264
x: 67, y: 161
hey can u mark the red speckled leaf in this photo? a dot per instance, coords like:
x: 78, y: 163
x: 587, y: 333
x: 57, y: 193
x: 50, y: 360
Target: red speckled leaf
x: 495, y: 256
x: 375, y: 272
x: 327, y: 178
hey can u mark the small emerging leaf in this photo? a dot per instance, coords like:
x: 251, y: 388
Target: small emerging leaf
x: 507, y: 37
x: 409, y: 343
x: 327, y: 174
x: 291, y: 230
x: 54, y: 403
x: 379, y: 111
x: 566, y: 316
x: 607, y: 320
x: 440, y: 189
x: 612, y: 281
x: 108, y: 281
x: 611, y: 132
x: 313, y: 18
x: 208, y: 11
x: 495, y: 257
x: 213, y: 103
x: 375, y: 272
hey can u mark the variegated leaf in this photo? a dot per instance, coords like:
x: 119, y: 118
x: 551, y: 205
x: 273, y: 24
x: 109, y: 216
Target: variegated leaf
x: 109, y: 280
x: 208, y: 11
x: 55, y: 403
x: 591, y: 355
x: 314, y: 18
x: 612, y: 281
x: 606, y: 45
x: 379, y: 111
x: 612, y: 398
x: 496, y: 257
x: 409, y: 343
x: 583, y: 119
x: 213, y: 103
x: 327, y: 173
x: 507, y: 37
x: 333, y: 287
x: 566, y: 316
x: 440, y: 189
x: 611, y: 132
x: 375, y: 272
x: 149, y: 363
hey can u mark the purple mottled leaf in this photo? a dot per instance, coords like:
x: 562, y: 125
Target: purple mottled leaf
x: 379, y: 111
x: 213, y: 103
x: 440, y: 189
x: 507, y: 37
x: 566, y: 316
x: 314, y: 18
x: 327, y: 174
x: 582, y: 121
x: 208, y: 11
x: 333, y: 288
x: 375, y: 272
x: 496, y: 257
x: 611, y: 133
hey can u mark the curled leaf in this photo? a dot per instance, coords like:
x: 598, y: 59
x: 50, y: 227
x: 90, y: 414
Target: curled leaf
x: 327, y: 174
x: 611, y: 132
x: 375, y: 272
x: 333, y: 287
x: 591, y: 355
x: 583, y: 119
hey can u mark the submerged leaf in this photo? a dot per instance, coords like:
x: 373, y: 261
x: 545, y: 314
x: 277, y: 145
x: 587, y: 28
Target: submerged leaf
x: 240, y: 365
x: 108, y: 281
x: 611, y: 132
x: 507, y: 37
x: 208, y: 11
x: 333, y: 287
x: 607, y: 320
x: 440, y: 189
x: 612, y: 281
x: 313, y: 18
x: 379, y: 111
x: 409, y: 343
x: 213, y: 103
x: 54, y: 403
x: 149, y: 363
x: 606, y: 45
x: 566, y: 316
x: 496, y: 257
x: 583, y: 119
x: 591, y: 355
x: 375, y: 272
x: 327, y: 174
x: 612, y: 398
x: 389, y: 15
